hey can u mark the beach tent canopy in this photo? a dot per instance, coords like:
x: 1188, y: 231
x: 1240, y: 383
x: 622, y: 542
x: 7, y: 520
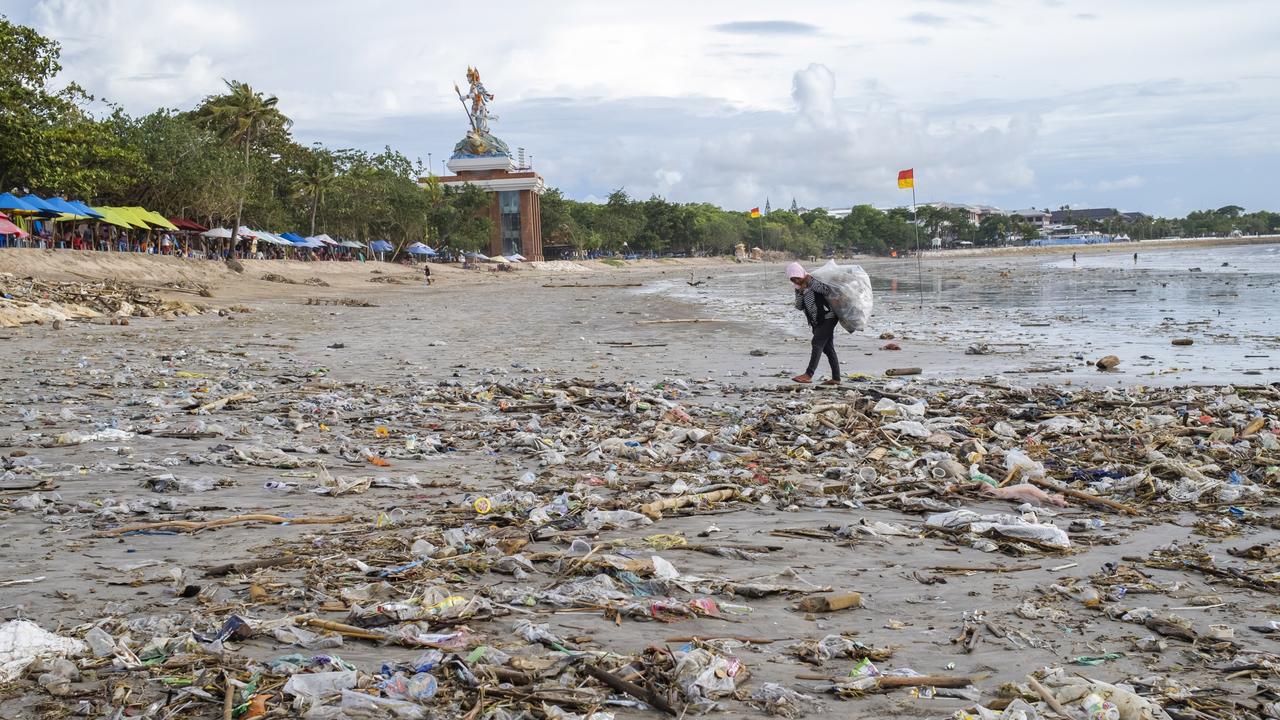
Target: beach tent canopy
x: 352, y: 244
x: 420, y: 249
x: 39, y: 204
x: 381, y: 246
x: 8, y: 228
x: 217, y: 233
x: 63, y: 206
x: 324, y: 239
x: 477, y: 256
x: 153, y: 219
x: 310, y: 243
x: 10, y: 202
x: 189, y: 225
x: 272, y: 238
x: 120, y: 218
x: 84, y: 209
x: 518, y: 257
x: 292, y: 237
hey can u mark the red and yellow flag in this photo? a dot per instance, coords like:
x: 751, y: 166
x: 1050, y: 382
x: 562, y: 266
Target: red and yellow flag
x: 906, y: 178
x: 755, y: 212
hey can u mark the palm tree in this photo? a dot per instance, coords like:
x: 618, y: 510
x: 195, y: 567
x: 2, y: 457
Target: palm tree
x: 236, y: 117
x: 316, y: 177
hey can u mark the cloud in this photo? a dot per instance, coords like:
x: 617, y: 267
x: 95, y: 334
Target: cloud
x: 1086, y: 16
x: 767, y: 27
x: 928, y: 18
x: 1128, y: 182
x: 824, y: 154
x: 728, y: 111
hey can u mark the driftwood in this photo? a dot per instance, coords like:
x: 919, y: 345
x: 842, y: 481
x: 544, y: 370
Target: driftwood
x: 240, y: 567
x: 648, y: 696
x: 194, y: 525
x: 1085, y: 497
x: 655, y: 508
x: 215, y: 405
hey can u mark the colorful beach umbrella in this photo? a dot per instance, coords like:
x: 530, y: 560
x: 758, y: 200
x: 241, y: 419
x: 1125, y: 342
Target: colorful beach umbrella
x: 9, y: 201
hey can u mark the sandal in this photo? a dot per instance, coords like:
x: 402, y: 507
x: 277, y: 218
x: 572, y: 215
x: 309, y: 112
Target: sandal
x: 803, y: 379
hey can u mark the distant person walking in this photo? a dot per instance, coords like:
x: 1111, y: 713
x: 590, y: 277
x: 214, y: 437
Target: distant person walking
x: 1135, y: 258
x: 811, y: 299
x: 1073, y: 257
x: 426, y: 270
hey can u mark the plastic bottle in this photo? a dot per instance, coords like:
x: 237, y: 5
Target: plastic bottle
x: 100, y: 642
x: 1097, y: 708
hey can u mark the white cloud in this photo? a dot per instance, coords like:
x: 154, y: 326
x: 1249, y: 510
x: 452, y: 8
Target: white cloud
x: 1128, y: 182
x: 703, y: 101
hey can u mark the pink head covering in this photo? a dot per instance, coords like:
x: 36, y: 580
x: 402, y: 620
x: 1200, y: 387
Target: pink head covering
x: 795, y: 270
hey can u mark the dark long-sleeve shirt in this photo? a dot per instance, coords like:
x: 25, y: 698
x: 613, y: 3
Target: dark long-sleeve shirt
x: 813, y: 301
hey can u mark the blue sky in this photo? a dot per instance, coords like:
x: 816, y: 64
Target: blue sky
x: 1161, y: 106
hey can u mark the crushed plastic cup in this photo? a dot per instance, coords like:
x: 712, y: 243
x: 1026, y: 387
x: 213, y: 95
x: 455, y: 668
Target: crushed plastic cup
x: 482, y: 505
x: 421, y: 686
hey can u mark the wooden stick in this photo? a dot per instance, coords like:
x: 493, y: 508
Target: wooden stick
x: 228, y: 697
x: 1047, y: 697
x: 655, y: 508
x: 344, y: 629
x: 220, y: 402
x: 630, y: 688
x: 1084, y: 496
x: 220, y: 570
x: 192, y: 525
x: 942, y: 681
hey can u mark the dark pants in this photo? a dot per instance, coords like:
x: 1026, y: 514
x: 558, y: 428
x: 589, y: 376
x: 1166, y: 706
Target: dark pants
x: 823, y: 343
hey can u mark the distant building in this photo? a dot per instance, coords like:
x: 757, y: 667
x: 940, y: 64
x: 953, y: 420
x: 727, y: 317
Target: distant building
x: 976, y: 212
x: 1040, y: 218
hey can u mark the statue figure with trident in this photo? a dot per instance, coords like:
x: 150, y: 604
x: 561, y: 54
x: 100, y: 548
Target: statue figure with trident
x: 479, y: 141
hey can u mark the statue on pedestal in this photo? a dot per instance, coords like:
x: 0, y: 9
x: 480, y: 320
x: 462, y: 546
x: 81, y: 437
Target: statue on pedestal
x: 479, y: 141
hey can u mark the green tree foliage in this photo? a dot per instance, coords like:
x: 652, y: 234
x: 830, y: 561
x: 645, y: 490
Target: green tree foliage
x: 240, y: 117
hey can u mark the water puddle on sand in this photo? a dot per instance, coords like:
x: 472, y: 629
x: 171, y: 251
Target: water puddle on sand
x: 1053, y: 310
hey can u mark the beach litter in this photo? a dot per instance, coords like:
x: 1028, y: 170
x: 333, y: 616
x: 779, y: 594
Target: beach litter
x: 536, y: 547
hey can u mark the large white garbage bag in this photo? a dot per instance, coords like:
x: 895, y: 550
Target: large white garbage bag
x: 853, y: 301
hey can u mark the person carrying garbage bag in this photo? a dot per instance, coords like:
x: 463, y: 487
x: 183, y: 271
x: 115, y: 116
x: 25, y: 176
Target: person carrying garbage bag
x: 813, y: 298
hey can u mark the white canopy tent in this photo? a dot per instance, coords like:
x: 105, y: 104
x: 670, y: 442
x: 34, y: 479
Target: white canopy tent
x: 217, y: 234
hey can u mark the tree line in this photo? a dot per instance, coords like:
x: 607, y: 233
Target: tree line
x: 232, y: 160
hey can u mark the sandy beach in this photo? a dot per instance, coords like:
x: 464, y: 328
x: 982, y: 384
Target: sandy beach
x: 408, y: 403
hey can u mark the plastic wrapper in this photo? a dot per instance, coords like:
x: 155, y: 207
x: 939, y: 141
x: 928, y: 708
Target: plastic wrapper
x: 22, y: 642
x: 852, y: 302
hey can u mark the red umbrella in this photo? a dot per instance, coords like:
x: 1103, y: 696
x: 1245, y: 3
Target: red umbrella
x: 8, y: 228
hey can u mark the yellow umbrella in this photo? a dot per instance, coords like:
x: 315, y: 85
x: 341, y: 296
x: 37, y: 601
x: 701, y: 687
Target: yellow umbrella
x: 152, y: 218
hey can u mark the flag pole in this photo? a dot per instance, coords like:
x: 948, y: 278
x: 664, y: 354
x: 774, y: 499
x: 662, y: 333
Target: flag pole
x: 915, y: 222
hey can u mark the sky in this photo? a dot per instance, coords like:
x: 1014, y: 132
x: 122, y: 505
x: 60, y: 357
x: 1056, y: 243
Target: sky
x: 1160, y: 106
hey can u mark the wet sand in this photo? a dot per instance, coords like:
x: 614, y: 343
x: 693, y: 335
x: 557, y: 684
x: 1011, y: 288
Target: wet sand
x: 470, y: 327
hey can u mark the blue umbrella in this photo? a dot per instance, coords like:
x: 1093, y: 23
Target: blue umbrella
x: 62, y: 206
x: 9, y: 202
x: 295, y: 239
x: 84, y: 209
x: 40, y: 205
x: 381, y: 246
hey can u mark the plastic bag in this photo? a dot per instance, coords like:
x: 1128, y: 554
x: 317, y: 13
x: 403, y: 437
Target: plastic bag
x: 1030, y: 469
x: 852, y: 301
x: 22, y: 642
